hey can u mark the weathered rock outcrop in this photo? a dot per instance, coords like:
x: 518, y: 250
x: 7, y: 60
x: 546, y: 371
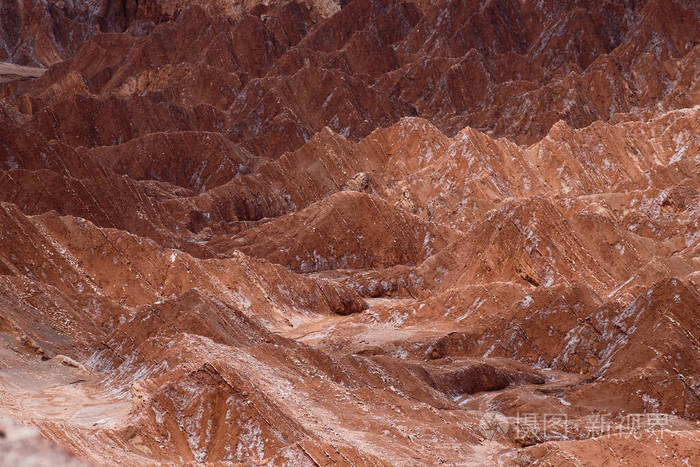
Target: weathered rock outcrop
x: 366, y: 232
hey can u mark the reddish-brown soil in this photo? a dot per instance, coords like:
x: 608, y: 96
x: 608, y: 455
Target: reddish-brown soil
x: 363, y: 232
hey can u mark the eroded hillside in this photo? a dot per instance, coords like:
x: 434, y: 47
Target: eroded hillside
x: 358, y: 232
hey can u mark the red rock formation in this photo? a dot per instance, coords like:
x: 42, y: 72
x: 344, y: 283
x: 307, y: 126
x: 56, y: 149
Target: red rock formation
x: 360, y: 232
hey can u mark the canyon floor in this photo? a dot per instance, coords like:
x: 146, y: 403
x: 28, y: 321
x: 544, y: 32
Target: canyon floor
x: 354, y: 232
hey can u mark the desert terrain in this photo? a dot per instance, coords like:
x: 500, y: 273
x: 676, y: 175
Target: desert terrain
x: 352, y: 232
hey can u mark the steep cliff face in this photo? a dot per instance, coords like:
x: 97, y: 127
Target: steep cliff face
x: 358, y: 232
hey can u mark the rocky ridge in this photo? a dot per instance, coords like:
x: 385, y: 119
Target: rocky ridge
x: 357, y: 232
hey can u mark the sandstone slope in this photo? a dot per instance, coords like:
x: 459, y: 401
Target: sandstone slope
x: 360, y: 232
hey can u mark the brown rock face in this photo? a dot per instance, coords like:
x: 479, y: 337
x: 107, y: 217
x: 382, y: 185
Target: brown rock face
x: 358, y: 232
